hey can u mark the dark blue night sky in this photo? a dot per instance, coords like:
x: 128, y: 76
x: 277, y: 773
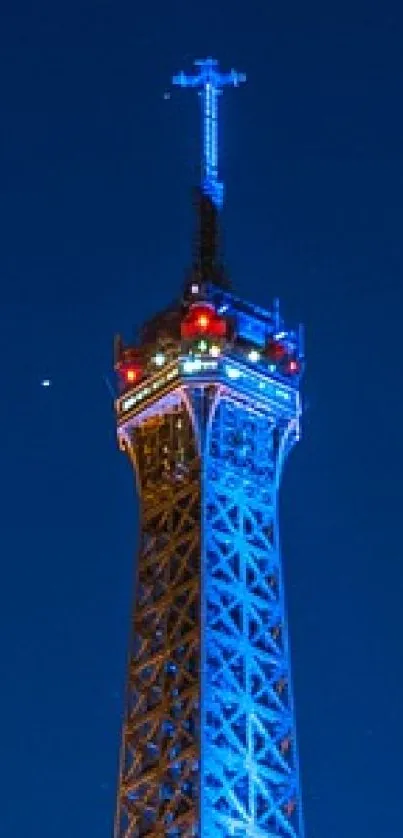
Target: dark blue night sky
x: 96, y: 226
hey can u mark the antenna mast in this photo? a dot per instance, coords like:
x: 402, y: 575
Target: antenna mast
x: 210, y: 82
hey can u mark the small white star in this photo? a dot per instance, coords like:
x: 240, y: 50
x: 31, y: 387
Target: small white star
x: 46, y: 382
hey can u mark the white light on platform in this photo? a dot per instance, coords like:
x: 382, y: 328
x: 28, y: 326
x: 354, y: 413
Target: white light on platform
x: 232, y: 372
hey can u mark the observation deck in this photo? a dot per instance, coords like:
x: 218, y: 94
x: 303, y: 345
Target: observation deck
x: 211, y: 338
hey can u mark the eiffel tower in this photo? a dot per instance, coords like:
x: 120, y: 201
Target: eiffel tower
x: 207, y: 412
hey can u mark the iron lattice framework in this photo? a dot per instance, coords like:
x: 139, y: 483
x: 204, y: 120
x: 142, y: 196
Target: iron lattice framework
x: 159, y: 772
x: 249, y: 766
x: 208, y: 410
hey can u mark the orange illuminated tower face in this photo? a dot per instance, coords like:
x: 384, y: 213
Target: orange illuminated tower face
x: 162, y: 715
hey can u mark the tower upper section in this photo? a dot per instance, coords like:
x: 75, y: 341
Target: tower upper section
x: 210, y: 335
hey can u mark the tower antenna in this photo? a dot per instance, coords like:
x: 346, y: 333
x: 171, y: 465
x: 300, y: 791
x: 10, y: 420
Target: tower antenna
x: 210, y: 81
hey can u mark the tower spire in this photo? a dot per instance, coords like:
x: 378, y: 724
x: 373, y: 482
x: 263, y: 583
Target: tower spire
x: 210, y: 81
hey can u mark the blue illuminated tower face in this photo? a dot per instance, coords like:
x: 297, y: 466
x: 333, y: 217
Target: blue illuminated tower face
x: 209, y: 409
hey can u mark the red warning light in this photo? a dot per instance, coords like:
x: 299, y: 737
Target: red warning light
x: 203, y: 320
x: 275, y: 350
x: 129, y: 367
x: 131, y: 375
